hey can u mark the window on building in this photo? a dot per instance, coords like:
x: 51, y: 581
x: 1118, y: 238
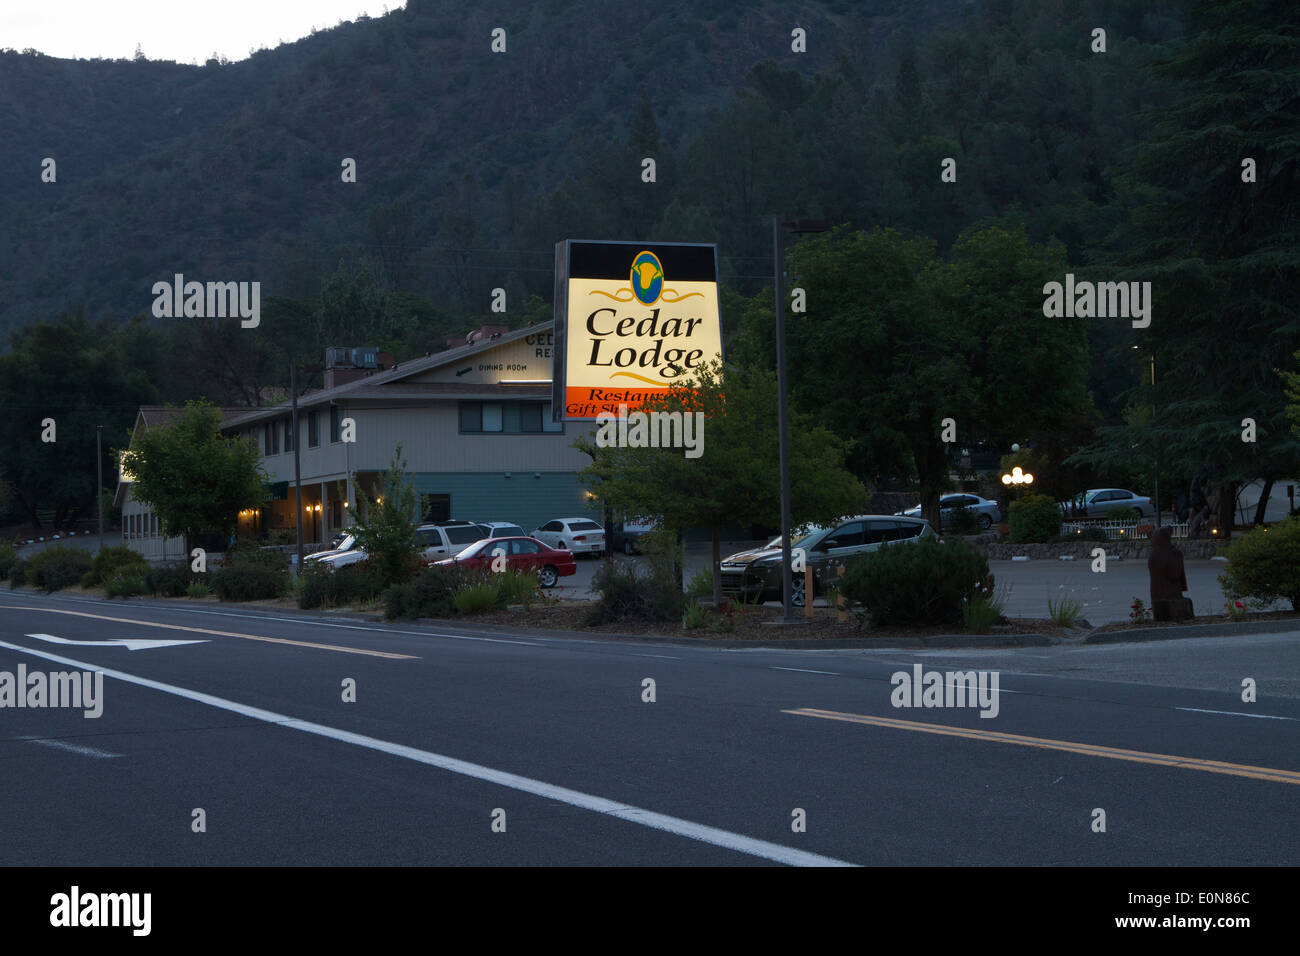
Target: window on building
x: 336, y: 423
x: 272, y: 438
x: 313, y: 429
x: 507, y: 418
x: 288, y: 434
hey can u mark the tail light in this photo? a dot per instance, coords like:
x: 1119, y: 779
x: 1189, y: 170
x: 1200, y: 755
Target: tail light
x: 579, y: 537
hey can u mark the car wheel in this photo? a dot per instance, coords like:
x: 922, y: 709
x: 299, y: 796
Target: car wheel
x: 627, y: 546
x: 547, y: 576
x: 986, y: 522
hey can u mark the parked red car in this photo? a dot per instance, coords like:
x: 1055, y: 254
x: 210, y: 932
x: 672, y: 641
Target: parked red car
x: 521, y: 554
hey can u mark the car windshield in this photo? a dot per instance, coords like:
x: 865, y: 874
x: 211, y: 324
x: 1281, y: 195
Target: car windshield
x: 474, y: 548
x: 463, y: 534
x: 584, y: 526
x: 507, y: 530
x: 797, y: 538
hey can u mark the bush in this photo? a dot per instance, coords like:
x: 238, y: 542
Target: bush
x: 1033, y: 519
x: 198, y: 589
x: 428, y: 594
x: 1264, y: 564
x: 918, y: 584
x: 1065, y: 612
x: 964, y: 521
x: 8, y: 558
x: 17, y: 574
x: 124, y: 584
x: 478, y: 597
x: 1124, y: 514
x: 692, y: 615
x: 1087, y: 533
x: 980, y: 614
x: 319, y: 586
x: 701, y: 583
x: 57, y: 567
x: 169, y: 580
x: 518, y: 587
x: 116, y: 561
x: 251, y: 574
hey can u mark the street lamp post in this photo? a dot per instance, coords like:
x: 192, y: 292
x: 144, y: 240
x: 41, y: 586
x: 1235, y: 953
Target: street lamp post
x: 99, y: 481
x: 1155, y: 438
x: 783, y: 416
x: 297, y: 468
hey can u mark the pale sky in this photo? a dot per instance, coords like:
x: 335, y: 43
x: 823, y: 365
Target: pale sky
x: 180, y: 30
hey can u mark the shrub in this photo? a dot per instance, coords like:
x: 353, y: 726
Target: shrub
x: 518, y: 587
x: 1034, y: 518
x: 916, y: 584
x: 169, y: 580
x: 57, y: 567
x: 124, y: 584
x: 701, y: 583
x: 963, y: 521
x: 8, y: 558
x: 692, y: 615
x: 1086, y: 533
x: 116, y: 561
x: 319, y: 586
x: 1264, y: 564
x: 477, y: 597
x: 1124, y: 514
x: 251, y: 574
x: 428, y: 594
x: 980, y: 613
x: 198, y: 589
x: 1065, y: 612
x: 17, y: 574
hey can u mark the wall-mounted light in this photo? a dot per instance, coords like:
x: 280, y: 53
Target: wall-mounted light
x: 507, y: 474
x: 537, y: 474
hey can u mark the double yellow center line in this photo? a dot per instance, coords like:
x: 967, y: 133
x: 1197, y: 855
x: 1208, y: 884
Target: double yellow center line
x: 1069, y: 746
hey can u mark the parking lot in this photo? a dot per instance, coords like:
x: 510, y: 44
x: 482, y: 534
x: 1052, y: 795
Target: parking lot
x: 1026, y: 585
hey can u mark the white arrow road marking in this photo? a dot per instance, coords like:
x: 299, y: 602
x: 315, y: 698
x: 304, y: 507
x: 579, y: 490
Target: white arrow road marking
x: 130, y: 643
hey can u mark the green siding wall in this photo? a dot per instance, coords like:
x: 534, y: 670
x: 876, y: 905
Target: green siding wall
x: 527, y: 501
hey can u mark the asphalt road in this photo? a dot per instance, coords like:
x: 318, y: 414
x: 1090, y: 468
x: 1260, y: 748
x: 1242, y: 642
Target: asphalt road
x: 451, y: 726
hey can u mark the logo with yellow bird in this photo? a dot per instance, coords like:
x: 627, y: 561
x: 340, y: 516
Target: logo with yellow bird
x: 647, y: 278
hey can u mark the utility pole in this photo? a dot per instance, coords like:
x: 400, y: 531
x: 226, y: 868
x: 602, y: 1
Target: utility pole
x: 783, y: 431
x: 297, y: 468
x: 99, y: 480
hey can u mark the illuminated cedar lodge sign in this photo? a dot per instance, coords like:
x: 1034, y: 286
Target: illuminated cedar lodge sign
x: 630, y: 319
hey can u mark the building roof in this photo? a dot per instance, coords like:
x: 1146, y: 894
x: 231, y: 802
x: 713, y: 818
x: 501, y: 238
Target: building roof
x: 373, y: 386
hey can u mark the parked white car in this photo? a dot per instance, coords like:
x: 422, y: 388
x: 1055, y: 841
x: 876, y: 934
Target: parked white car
x: 579, y: 535
x: 347, y: 544
x: 343, y: 558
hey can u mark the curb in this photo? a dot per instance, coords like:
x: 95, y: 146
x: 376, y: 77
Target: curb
x: 1225, y: 629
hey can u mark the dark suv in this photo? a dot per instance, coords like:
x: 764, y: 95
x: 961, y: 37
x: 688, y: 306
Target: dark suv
x: 756, y: 575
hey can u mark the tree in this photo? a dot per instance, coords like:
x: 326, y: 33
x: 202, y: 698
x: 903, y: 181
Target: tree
x: 59, y: 381
x: 893, y: 343
x: 735, y: 478
x: 387, y: 531
x: 1217, y: 237
x: 193, y: 477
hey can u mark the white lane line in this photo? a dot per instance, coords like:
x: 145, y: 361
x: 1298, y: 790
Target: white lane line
x: 664, y: 657
x: 314, y: 623
x: 803, y: 670
x: 71, y: 748
x: 575, y: 798
x: 1235, y: 713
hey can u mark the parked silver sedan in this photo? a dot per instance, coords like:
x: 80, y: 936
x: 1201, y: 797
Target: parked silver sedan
x: 987, y: 511
x: 1099, y: 502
